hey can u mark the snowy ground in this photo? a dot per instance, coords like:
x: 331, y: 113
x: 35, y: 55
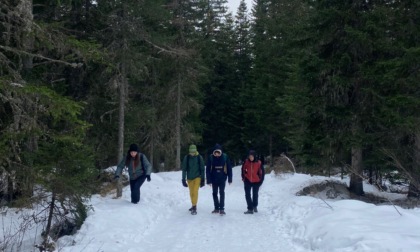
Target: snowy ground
x: 285, y: 222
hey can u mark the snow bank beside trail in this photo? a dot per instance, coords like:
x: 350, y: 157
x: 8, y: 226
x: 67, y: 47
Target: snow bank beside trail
x: 356, y: 226
x: 348, y: 225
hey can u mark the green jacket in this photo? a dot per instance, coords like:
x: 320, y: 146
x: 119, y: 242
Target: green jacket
x: 195, y: 167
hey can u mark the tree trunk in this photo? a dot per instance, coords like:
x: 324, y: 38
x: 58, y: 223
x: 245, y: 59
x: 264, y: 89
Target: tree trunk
x: 25, y: 9
x: 414, y: 188
x: 49, y: 220
x: 271, y: 151
x: 356, y: 179
x: 178, y: 125
x: 123, y: 92
x: 152, y: 151
x: 121, y: 117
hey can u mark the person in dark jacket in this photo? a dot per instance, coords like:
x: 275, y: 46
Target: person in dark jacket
x: 253, y: 176
x: 193, y: 171
x: 139, y: 169
x: 218, y: 170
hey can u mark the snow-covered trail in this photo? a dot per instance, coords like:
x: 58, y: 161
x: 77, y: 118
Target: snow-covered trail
x: 211, y: 232
x: 285, y: 222
x: 162, y: 222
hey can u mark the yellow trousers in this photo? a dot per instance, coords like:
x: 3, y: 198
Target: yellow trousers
x: 194, y: 185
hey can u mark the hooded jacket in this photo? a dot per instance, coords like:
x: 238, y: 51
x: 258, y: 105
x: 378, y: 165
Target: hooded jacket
x: 218, y: 169
x: 192, y: 167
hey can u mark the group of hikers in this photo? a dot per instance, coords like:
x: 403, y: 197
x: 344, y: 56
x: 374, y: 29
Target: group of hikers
x: 217, y: 170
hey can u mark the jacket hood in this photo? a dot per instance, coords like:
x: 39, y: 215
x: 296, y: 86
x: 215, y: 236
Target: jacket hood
x: 252, y: 153
x: 217, y: 147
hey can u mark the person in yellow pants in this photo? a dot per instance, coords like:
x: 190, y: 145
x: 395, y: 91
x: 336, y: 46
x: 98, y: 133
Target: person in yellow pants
x: 193, y: 173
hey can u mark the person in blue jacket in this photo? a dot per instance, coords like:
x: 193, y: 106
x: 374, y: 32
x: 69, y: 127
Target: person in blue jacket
x: 218, y: 170
x: 139, y: 169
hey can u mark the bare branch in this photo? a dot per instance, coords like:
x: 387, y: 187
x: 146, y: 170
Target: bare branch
x: 169, y: 51
x: 74, y: 65
x: 290, y: 161
x: 400, y: 166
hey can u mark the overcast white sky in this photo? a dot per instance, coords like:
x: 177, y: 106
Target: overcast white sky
x: 234, y: 4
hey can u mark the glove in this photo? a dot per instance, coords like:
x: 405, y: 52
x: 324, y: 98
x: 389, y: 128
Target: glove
x: 202, y: 183
x: 184, y: 183
x: 116, y: 177
x: 148, y: 178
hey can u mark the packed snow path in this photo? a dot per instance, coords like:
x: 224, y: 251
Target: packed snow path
x: 285, y: 222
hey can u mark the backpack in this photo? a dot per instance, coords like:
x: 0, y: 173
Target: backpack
x: 142, y: 164
x: 199, y: 163
x: 224, y: 160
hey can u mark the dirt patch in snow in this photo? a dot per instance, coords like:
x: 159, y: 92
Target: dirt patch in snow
x: 333, y: 190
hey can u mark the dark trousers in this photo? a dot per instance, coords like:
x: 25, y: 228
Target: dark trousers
x: 251, y: 201
x: 135, y: 185
x: 219, y: 188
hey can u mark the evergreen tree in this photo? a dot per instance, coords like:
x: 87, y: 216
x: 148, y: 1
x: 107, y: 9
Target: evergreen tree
x: 221, y: 87
x: 397, y: 90
x: 242, y: 61
x: 273, y: 60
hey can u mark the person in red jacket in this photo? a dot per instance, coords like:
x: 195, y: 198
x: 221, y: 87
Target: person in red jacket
x: 253, y: 177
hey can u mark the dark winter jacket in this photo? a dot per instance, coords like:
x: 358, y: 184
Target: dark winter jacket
x: 143, y: 166
x: 253, y: 171
x: 193, y: 167
x: 218, y: 169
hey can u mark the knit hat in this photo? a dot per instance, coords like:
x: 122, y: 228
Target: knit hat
x: 251, y: 153
x: 192, y: 149
x: 133, y: 147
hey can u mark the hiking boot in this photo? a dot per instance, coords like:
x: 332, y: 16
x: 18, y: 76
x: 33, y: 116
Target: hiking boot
x: 191, y: 208
x: 194, y: 210
x: 249, y: 211
x: 255, y: 210
x: 222, y: 212
x: 215, y: 211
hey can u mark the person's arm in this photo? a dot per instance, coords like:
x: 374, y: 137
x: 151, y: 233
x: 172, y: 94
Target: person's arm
x: 208, y: 169
x: 184, y: 168
x: 147, y: 165
x: 202, y: 169
x: 184, y: 171
x: 243, y: 171
x: 229, y: 170
x: 262, y: 173
x: 120, y: 167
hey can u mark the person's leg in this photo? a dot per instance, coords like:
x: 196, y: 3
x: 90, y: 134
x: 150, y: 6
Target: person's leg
x: 222, y: 195
x: 139, y: 182
x: 255, y: 189
x: 132, y: 190
x: 190, y: 187
x: 194, y: 185
x: 247, y: 188
x: 215, y: 188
